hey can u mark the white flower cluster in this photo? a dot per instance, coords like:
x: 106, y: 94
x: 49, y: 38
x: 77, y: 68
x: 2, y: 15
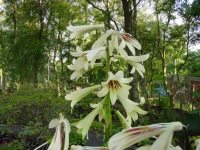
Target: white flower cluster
x: 116, y: 87
x: 112, y: 44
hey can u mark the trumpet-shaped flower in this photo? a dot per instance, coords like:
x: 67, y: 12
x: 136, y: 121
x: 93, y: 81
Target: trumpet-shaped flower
x: 61, y: 135
x: 148, y: 147
x: 131, y: 108
x: 81, y: 65
x: 125, y: 122
x: 136, y: 62
x: 128, y: 137
x: 81, y: 61
x: 116, y: 86
x: 81, y: 71
x: 78, y: 147
x: 76, y: 96
x: 197, y: 143
x: 76, y: 30
x: 126, y: 40
x: 94, y: 54
x: 84, y: 124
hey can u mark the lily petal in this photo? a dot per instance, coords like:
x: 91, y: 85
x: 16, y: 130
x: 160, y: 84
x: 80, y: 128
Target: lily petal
x: 76, y: 96
x: 131, y: 136
x: 84, y: 28
x: 62, y: 131
x: 84, y: 124
x: 102, y: 40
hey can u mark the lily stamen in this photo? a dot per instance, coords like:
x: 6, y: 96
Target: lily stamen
x: 114, y: 84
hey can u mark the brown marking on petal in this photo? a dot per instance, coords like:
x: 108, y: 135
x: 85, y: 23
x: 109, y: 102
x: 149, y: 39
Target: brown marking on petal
x: 114, y: 84
x: 127, y: 37
x: 141, y: 130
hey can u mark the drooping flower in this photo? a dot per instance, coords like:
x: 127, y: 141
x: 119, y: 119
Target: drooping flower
x: 129, y: 137
x: 84, y: 124
x: 76, y: 96
x: 61, y: 136
x: 136, y: 62
x: 126, y: 40
x: 197, y: 144
x: 116, y: 85
x: 76, y: 30
x: 94, y: 54
x: 125, y: 122
x: 148, y: 147
x: 78, y: 147
x: 131, y: 108
x: 85, y: 61
x: 79, y: 63
x: 81, y: 71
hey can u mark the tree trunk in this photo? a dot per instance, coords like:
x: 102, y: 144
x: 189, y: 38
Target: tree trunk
x: 130, y: 26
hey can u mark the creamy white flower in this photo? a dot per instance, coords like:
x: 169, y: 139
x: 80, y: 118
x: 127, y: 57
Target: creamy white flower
x: 84, y: 124
x: 142, y: 100
x: 116, y: 85
x: 197, y: 143
x: 80, y: 72
x: 126, y: 40
x: 94, y: 54
x: 77, y: 95
x: 148, y: 147
x: 61, y: 135
x: 125, y: 122
x: 79, y: 63
x: 78, y: 147
x: 76, y: 30
x: 128, y: 137
x: 131, y: 108
x: 78, y: 53
x: 135, y: 61
x: 85, y: 61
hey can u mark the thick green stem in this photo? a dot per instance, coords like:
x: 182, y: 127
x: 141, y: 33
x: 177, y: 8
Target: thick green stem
x: 107, y: 60
x: 107, y: 103
x: 108, y: 121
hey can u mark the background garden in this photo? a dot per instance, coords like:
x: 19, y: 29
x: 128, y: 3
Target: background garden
x: 35, y: 51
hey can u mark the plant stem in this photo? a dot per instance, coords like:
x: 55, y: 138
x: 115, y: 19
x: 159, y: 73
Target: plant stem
x: 108, y: 121
x: 107, y: 59
x: 107, y: 104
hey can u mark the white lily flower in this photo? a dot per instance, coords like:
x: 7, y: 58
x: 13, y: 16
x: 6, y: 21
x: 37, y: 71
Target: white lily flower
x: 129, y: 137
x: 148, y: 147
x: 84, y: 124
x: 79, y: 63
x: 81, y: 71
x: 76, y: 30
x: 116, y: 85
x: 78, y: 147
x: 61, y: 135
x: 126, y: 40
x: 94, y: 54
x: 131, y: 108
x: 77, y: 95
x: 125, y: 122
x: 136, y: 62
x: 142, y: 100
x: 78, y: 53
x: 197, y: 143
